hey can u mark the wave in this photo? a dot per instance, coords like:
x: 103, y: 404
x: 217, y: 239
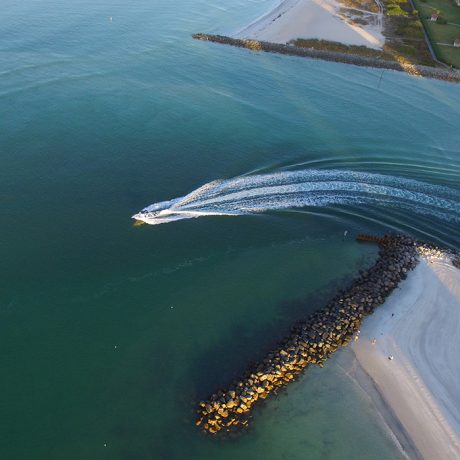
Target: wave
x: 306, y: 188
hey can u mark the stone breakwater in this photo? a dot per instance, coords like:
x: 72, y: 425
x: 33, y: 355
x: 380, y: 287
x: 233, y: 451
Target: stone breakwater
x: 364, y: 61
x: 313, y: 341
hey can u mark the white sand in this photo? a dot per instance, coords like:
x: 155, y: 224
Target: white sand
x: 422, y: 382
x: 320, y: 19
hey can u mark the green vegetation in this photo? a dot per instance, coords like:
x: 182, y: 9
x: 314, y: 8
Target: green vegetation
x: 368, y: 5
x: 395, y: 51
x: 443, y: 32
x: 408, y: 28
x: 450, y: 55
x: 397, y: 8
x: 337, y: 47
x: 404, y: 33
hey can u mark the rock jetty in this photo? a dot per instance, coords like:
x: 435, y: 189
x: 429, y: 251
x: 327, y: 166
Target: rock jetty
x: 437, y: 73
x: 313, y: 341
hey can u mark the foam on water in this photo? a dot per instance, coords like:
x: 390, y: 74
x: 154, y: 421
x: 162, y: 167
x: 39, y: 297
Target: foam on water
x: 307, y: 188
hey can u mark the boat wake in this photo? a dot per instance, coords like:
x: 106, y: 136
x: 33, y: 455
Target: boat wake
x: 307, y: 188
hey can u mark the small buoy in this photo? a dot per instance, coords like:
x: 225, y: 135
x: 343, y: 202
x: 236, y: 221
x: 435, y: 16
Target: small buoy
x: 171, y: 307
x: 115, y: 347
x: 105, y: 444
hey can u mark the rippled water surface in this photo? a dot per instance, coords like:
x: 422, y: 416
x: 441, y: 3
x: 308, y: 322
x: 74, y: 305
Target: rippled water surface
x: 110, y: 332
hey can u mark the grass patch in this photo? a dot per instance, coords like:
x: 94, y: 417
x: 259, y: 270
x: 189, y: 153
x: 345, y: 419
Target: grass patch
x: 397, y: 8
x: 368, y: 5
x: 442, y: 33
x: 409, y: 28
x: 404, y: 33
x: 449, y: 55
x: 337, y: 47
x: 391, y: 52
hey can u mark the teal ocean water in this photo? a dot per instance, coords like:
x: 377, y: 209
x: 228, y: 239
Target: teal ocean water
x: 109, y: 333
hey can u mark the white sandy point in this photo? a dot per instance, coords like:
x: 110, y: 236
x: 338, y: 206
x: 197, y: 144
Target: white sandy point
x: 319, y: 19
x: 421, y: 383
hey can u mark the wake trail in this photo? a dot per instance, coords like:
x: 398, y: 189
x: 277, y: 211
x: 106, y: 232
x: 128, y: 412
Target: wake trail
x: 307, y: 188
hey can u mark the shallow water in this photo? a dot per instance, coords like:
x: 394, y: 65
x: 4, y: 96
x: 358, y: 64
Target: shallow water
x: 110, y: 332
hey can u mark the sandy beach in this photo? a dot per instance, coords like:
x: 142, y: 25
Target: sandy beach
x: 321, y: 19
x: 410, y: 347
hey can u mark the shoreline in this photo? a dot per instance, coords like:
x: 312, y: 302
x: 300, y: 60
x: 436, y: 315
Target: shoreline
x: 316, y: 19
x: 383, y: 411
x: 424, y: 400
x: 435, y: 73
x: 282, y: 7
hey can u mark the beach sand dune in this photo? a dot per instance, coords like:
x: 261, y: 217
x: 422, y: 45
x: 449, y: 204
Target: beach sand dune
x: 410, y: 347
x: 319, y: 19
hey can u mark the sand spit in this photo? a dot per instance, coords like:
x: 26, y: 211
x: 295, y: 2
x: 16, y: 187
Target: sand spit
x: 320, y: 19
x: 410, y: 348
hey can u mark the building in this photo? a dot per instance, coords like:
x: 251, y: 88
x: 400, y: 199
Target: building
x: 434, y: 17
x: 457, y: 43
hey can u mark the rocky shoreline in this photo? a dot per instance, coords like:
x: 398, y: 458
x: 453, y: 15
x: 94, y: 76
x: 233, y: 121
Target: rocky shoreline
x: 363, y: 61
x: 313, y: 341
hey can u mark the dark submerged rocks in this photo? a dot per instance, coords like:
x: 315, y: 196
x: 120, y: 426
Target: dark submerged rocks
x: 313, y: 341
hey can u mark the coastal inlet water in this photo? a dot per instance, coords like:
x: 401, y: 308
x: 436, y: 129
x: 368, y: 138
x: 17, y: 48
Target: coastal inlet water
x: 110, y: 333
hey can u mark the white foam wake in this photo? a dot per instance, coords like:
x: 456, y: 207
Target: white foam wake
x: 307, y: 188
